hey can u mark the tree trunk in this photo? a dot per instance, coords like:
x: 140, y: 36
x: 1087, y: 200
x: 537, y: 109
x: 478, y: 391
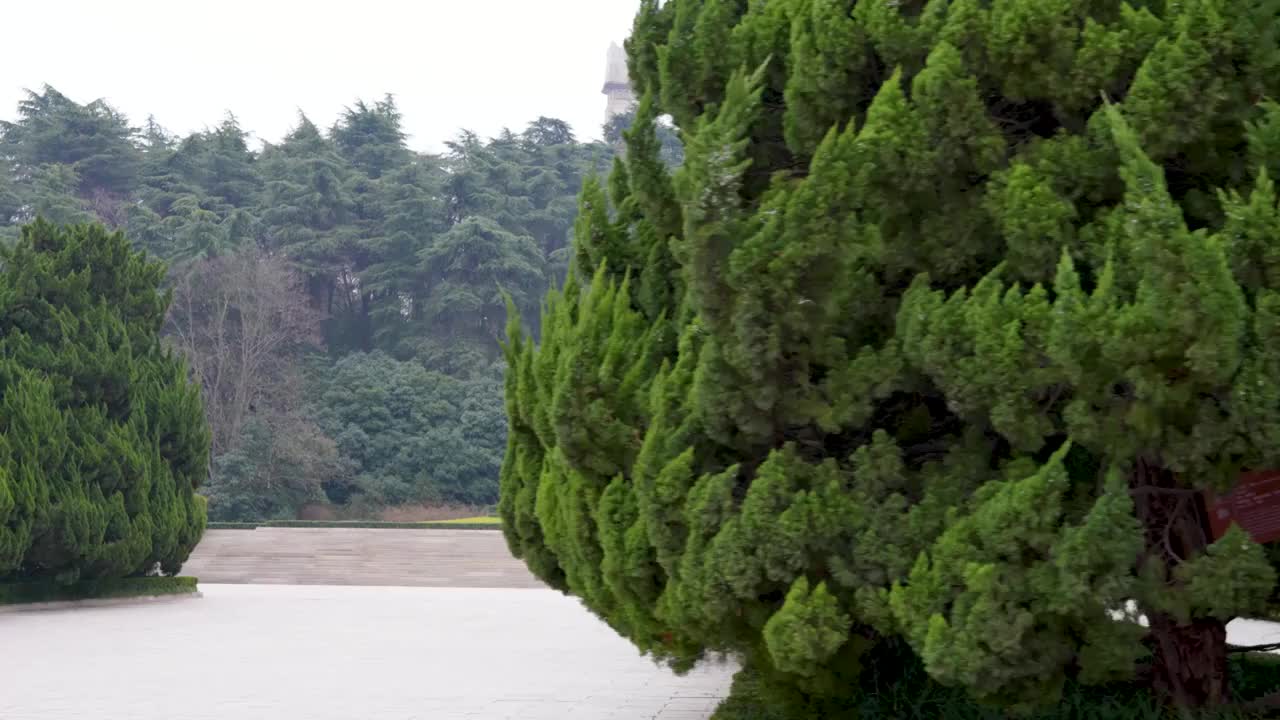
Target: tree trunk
x: 1190, y: 665
x: 1189, y: 660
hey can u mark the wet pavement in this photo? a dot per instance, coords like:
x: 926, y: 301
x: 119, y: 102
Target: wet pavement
x: 315, y: 652
x: 353, y: 624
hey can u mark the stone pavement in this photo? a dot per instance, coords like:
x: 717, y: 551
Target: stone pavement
x: 311, y: 649
x: 358, y: 556
x: 343, y: 624
x: 264, y: 652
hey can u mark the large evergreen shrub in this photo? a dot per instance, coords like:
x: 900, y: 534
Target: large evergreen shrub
x: 103, y: 439
x: 950, y: 313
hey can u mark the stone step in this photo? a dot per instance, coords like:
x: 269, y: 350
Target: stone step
x: 359, y: 556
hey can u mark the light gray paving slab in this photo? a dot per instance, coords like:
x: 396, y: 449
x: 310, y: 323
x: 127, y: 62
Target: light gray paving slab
x: 359, y: 556
x: 311, y: 652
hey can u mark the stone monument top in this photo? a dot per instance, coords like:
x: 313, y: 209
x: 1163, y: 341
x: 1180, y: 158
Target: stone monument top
x: 617, y: 84
x: 616, y: 67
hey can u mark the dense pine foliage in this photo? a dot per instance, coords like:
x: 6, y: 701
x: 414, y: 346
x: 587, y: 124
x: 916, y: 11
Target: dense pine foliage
x: 338, y: 296
x: 103, y: 439
x: 929, y: 347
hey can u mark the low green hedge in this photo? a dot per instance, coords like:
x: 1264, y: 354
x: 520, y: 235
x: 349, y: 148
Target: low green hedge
x: 22, y: 593
x: 375, y: 524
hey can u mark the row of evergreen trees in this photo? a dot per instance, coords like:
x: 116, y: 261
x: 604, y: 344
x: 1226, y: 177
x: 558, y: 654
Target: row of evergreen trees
x: 399, y: 247
x: 927, y: 353
x: 399, y: 259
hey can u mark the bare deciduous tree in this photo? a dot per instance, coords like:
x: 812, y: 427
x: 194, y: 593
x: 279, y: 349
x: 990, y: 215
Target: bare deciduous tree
x: 240, y: 320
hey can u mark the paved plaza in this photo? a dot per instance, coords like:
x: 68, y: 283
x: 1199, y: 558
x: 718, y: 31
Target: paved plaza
x: 362, y: 625
x: 310, y: 651
x: 264, y: 652
x: 359, y: 556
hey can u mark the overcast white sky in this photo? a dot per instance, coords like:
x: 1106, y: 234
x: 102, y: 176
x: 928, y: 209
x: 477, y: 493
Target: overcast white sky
x: 477, y: 64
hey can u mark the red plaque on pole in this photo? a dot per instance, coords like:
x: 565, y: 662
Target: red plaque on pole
x: 1254, y: 505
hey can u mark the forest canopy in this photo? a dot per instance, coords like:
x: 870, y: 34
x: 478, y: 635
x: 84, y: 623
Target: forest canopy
x: 339, y: 296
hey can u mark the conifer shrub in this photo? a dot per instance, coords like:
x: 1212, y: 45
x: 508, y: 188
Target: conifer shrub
x: 934, y: 341
x: 103, y: 440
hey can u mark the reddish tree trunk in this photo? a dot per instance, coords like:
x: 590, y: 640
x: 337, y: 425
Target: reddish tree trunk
x: 1189, y: 660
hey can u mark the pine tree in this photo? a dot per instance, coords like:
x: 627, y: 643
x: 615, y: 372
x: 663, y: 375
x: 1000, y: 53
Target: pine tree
x: 94, y: 140
x: 466, y: 271
x: 50, y: 193
x: 307, y: 206
x: 220, y: 162
x: 936, y: 337
x: 103, y: 440
x: 371, y: 138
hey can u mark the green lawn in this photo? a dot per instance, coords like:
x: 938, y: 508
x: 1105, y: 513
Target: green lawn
x: 470, y: 521
x: 473, y: 523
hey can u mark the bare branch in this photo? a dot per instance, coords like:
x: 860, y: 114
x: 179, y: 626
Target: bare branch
x: 238, y: 320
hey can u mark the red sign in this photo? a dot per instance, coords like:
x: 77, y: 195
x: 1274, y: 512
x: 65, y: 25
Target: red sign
x: 1254, y: 505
